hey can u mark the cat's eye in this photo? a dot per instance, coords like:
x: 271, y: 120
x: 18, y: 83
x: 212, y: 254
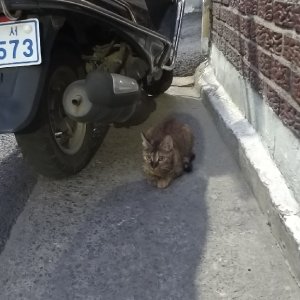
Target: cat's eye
x: 161, y: 158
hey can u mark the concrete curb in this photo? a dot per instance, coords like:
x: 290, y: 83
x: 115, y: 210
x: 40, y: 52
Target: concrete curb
x: 267, y: 183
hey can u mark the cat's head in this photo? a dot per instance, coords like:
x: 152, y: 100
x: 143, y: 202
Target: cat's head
x: 158, y: 156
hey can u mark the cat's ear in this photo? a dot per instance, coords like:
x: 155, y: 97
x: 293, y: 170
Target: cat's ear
x: 167, y: 143
x: 145, y: 142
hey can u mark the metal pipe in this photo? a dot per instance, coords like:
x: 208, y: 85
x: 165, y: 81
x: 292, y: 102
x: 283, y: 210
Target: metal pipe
x: 178, y: 26
x: 127, y: 7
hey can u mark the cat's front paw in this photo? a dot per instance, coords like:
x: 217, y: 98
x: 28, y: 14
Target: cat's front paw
x: 163, y: 183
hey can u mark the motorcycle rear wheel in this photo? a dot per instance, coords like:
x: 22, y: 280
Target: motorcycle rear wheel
x: 54, y: 145
x: 157, y: 87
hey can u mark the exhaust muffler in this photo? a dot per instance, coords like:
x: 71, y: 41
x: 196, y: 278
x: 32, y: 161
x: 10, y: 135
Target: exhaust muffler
x: 102, y: 97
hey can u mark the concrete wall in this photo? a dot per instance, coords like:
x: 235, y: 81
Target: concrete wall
x: 256, y: 56
x: 192, y: 5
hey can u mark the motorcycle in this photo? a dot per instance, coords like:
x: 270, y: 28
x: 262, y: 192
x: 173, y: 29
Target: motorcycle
x: 71, y: 68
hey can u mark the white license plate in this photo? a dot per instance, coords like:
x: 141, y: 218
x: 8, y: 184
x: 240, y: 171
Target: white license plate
x: 20, y: 43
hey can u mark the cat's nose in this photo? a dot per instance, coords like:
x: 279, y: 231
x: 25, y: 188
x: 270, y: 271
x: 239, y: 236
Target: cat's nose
x: 154, y: 164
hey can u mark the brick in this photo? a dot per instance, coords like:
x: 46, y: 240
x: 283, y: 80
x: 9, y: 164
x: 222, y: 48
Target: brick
x: 216, y: 10
x: 296, y: 18
x: 230, y: 19
x: 245, y: 70
x: 265, y: 9
x: 229, y: 54
x: 295, y: 86
x: 236, y: 21
x: 290, y: 117
x: 263, y: 37
x: 247, y: 7
x: 220, y: 28
x: 214, y: 37
x: 222, y: 14
x: 264, y: 63
x: 251, y: 53
x: 291, y: 50
x: 216, y: 40
x: 225, y: 15
x: 258, y: 59
x: 248, y: 28
x: 222, y: 45
x: 236, y: 41
x: 239, y: 45
x: 269, y: 40
x: 255, y: 81
x: 283, y: 14
x: 215, y: 24
x: 276, y: 43
x: 280, y: 74
x: 234, y: 58
x: 252, y: 76
x: 234, y: 3
x: 233, y: 20
x: 227, y: 34
x: 273, y: 99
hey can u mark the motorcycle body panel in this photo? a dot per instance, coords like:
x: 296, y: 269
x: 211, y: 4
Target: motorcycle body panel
x: 21, y: 87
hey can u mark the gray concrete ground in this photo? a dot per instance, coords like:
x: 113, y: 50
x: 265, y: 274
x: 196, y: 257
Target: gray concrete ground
x: 106, y: 234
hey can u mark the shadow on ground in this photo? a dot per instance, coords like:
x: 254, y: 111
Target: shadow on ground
x: 16, y: 184
x: 137, y: 244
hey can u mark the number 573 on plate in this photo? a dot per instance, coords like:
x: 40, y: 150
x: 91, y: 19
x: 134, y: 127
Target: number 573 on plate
x: 20, y: 43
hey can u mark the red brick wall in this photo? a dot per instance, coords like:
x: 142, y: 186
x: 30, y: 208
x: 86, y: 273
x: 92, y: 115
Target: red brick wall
x: 261, y: 38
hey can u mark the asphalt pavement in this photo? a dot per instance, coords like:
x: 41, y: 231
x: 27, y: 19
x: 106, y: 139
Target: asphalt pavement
x: 189, y: 54
x: 16, y: 183
x: 106, y: 234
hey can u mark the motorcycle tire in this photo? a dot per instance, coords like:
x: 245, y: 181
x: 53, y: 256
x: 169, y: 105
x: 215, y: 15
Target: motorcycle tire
x: 54, y: 145
x: 158, y: 87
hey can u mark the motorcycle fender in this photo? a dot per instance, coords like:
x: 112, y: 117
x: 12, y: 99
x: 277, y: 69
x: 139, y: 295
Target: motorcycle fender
x: 21, y: 87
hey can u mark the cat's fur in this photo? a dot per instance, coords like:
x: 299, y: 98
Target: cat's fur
x: 167, y: 152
